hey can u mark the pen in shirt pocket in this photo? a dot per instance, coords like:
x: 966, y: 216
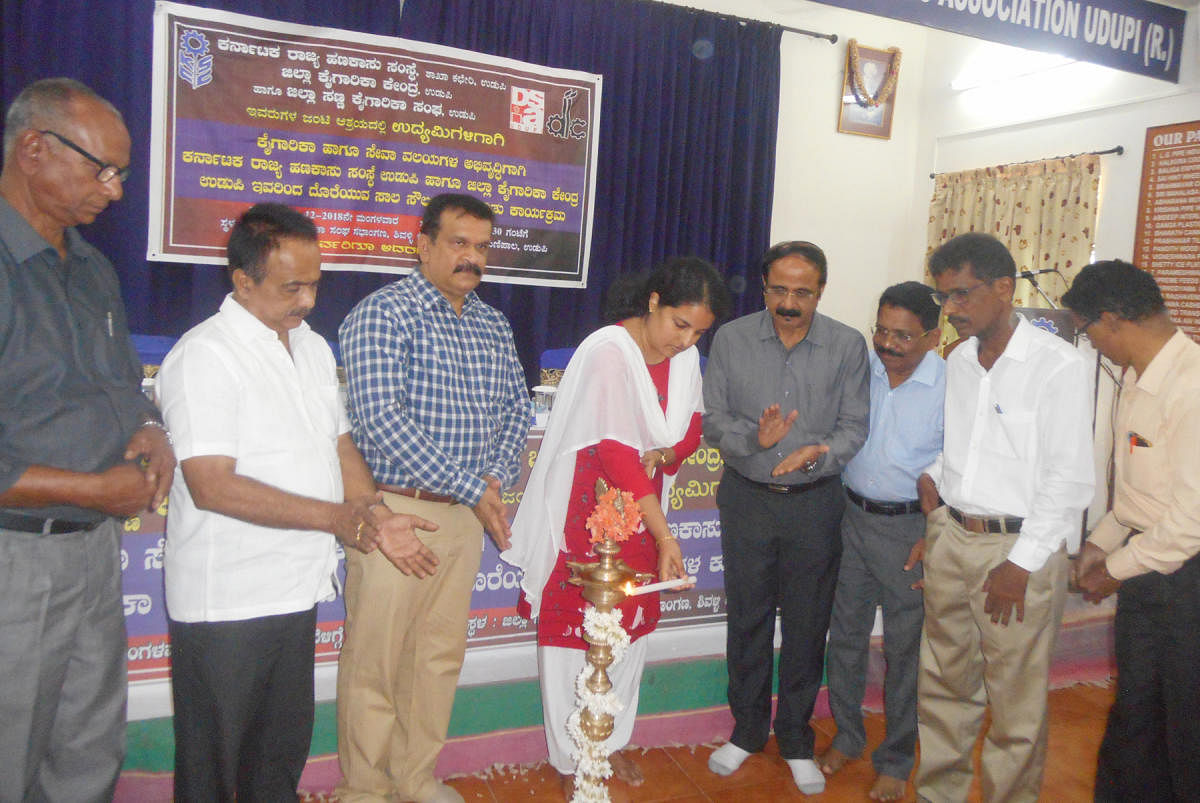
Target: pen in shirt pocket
x: 110, y: 326
x: 1136, y: 440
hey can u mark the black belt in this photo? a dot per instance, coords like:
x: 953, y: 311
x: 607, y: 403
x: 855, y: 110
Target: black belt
x: 779, y: 488
x: 986, y: 524
x: 883, y: 508
x: 36, y: 524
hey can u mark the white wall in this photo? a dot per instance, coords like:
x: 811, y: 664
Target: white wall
x: 865, y: 201
x: 1065, y: 111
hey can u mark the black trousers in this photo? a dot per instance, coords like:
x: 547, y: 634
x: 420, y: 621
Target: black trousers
x: 243, y: 694
x: 1151, y: 746
x: 781, y: 551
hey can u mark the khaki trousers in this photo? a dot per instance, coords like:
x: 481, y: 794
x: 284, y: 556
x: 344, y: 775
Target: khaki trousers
x: 967, y: 663
x: 399, y: 666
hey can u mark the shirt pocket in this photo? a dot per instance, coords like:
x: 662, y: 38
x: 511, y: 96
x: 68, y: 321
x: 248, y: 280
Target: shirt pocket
x: 1010, y: 434
x: 1146, y: 465
x: 324, y: 412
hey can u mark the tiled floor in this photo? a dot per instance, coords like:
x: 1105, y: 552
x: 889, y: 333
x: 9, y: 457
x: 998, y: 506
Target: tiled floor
x: 680, y: 774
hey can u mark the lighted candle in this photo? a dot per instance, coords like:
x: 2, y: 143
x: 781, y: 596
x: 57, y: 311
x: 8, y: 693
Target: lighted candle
x: 633, y: 591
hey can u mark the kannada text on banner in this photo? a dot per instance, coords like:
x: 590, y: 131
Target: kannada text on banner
x: 359, y: 132
x: 493, y: 619
x: 1167, y: 242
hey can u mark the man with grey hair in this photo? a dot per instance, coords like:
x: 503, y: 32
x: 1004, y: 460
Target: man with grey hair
x: 80, y: 449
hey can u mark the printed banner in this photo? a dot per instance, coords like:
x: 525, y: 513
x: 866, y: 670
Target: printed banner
x: 1167, y: 242
x: 1131, y: 35
x: 493, y: 620
x: 359, y: 132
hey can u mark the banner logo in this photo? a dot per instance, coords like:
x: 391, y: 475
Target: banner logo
x: 195, y: 62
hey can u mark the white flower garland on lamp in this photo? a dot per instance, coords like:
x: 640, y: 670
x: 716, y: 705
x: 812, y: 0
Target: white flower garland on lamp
x: 591, y: 757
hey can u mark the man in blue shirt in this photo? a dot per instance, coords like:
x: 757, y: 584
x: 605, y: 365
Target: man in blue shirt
x: 882, y: 538
x: 439, y: 408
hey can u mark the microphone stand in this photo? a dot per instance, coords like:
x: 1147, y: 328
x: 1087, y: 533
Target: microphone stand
x: 1031, y: 277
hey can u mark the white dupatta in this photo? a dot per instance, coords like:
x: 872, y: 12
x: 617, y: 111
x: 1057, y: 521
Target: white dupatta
x: 606, y: 394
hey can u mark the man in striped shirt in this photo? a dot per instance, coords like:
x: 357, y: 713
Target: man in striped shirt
x: 439, y: 408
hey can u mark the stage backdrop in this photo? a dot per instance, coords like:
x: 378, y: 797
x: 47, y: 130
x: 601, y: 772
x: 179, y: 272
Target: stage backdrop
x: 493, y: 620
x: 686, y: 158
x: 359, y: 132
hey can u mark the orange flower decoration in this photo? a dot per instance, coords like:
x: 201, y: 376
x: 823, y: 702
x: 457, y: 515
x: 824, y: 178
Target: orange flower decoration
x: 615, y: 517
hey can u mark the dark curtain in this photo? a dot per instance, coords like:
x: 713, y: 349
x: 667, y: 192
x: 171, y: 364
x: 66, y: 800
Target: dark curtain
x: 687, y: 139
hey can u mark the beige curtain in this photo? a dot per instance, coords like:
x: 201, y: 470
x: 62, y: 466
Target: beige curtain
x: 1045, y: 212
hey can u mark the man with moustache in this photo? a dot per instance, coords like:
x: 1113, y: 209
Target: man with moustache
x: 268, y: 478
x: 81, y: 448
x: 1146, y: 548
x: 882, y: 538
x: 440, y: 410
x: 1015, y: 474
x: 786, y: 395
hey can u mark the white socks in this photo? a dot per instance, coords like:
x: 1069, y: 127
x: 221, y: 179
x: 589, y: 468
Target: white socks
x: 807, y: 775
x: 727, y: 758
x: 809, y: 779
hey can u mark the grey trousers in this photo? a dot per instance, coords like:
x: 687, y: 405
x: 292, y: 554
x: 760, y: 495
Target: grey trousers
x: 62, y: 665
x: 874, y: 550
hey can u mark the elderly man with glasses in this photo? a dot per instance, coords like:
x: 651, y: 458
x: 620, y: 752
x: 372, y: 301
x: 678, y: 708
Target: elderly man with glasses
x: 786, y: 396
x: 1015, y: 474
x: 81, y: 448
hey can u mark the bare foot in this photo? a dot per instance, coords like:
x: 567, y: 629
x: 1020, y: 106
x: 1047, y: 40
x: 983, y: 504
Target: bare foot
x: 833, y: 760
x: 625, y: 770
x: 568, y: 785
x: 887, y: 788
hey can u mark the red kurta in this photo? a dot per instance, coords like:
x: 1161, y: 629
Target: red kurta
x: 560, y: 620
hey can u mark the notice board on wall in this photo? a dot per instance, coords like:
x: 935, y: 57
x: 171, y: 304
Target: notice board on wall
x: 358, y: 132
x: 1168, y: 225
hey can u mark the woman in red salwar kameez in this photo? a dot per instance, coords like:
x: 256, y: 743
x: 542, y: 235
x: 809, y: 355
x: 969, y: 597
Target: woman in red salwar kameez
x: 628, y: 411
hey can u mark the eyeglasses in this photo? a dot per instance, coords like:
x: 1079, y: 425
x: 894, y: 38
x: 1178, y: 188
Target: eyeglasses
x: 106, y: 172
x: 1082, y: 333
x: 775, y: 291
x: 904, y: 338
x: 958, y: 295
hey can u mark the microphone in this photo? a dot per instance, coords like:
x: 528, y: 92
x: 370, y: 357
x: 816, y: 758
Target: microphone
x: 1029, y: 274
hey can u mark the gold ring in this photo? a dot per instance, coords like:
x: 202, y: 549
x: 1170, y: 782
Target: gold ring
x: 358, y: 533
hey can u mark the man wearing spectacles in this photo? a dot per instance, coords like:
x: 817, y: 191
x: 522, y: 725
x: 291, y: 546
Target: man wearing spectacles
x: 882, y: 538
x: 81, y: 448
x: 1147, y: 548
x: 1015, y: 474
x: 787, y: 395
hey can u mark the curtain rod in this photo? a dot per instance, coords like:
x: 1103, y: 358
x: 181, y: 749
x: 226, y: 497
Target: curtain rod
x: 1116, y: 150
x: 832, y: 37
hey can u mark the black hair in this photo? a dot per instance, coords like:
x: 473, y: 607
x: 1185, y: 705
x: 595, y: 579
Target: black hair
x: 257, y: 233
x: 986, y: 256
x: 809, y: 251
x: 431, y: 218
x: 916, y: 298
x: 1114, y: 286
x: 678, y: 281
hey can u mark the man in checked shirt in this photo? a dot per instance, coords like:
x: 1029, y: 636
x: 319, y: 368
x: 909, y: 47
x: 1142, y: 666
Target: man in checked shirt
x: 439, y: 408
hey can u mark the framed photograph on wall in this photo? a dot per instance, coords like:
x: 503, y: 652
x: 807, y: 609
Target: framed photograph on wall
x: 869, y: 91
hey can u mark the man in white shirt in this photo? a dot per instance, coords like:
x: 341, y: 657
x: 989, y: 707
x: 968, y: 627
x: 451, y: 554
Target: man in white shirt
x: 1015, y: 474
x: 267, y: 477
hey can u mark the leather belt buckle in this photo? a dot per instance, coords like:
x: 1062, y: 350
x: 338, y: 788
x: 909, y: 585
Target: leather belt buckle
x: 776, y: 488
x: 1002, y: 525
